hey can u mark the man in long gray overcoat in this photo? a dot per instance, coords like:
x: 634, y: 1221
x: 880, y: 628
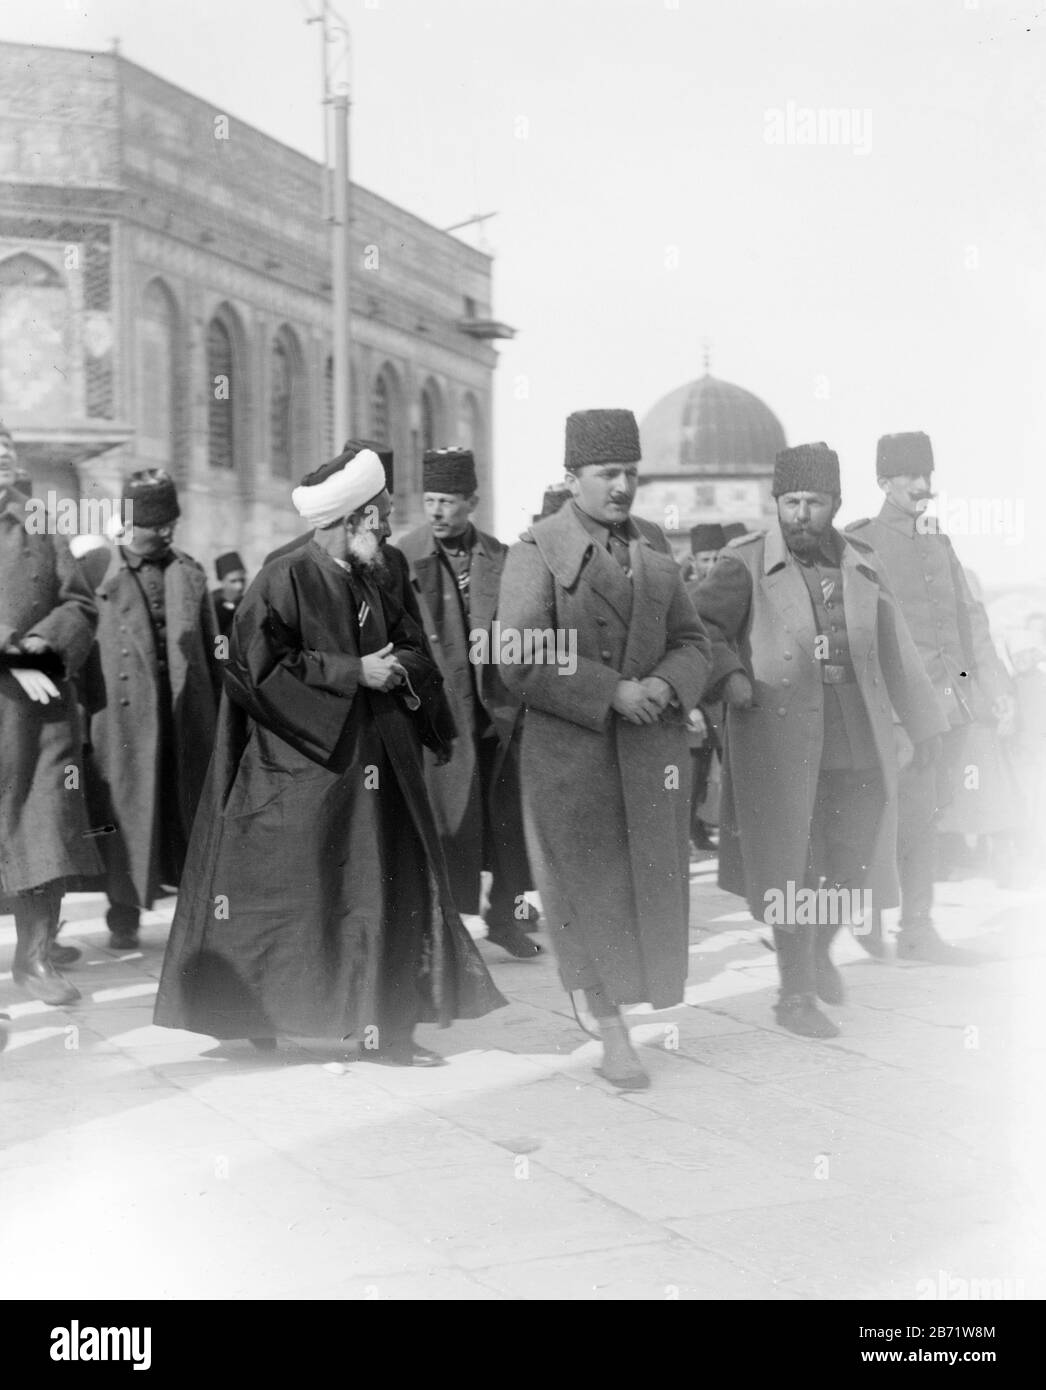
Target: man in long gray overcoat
x: 456, y: 570
x: 605, y: 763
x: 810, y: 651
x: 154, y: 704
x: 47, y: 623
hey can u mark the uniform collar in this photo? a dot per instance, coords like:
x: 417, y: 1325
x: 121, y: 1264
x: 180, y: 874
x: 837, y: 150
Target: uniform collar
x: 601, y: 530
x: 897, y: 519
x: 776, y: 552
x: 134, y: 561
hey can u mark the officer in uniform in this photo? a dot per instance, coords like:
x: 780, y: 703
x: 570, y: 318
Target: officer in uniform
x: 456, y: 569
x: 809, y: 650
x: 950, y: 630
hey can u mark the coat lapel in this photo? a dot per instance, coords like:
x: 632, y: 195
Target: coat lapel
x: 653, y: 579
x: 860, y: 604
x: 783, y: 585
x: 484, y: 581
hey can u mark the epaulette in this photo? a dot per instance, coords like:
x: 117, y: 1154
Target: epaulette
x: 859, y: 543
x: 528, y: 536
x: 856, y: 525
x: 746, y: 539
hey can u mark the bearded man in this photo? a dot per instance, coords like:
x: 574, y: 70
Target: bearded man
x: 809, y: 652
x: 315, y: 901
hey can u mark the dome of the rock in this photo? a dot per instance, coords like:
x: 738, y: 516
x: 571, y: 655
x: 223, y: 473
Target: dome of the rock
x: 713, y: 427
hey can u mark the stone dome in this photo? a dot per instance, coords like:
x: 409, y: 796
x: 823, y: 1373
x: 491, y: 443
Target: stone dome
x: 710, y: 426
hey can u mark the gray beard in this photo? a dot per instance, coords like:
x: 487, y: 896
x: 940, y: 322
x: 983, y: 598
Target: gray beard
x: 364, y: 554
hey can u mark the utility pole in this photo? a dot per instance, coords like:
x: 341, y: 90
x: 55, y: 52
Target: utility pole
x: 336, y: 208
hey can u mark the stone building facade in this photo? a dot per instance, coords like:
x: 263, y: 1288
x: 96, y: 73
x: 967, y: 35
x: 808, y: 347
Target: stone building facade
x: 165, y: 300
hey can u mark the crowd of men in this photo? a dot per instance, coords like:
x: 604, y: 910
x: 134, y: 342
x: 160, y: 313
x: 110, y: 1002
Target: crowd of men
x: 338, y: 768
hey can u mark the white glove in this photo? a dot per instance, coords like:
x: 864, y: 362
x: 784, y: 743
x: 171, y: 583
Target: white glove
x: 36, y: 685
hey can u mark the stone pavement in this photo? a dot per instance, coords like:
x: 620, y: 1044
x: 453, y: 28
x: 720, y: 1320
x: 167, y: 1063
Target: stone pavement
x: 894, y: 1162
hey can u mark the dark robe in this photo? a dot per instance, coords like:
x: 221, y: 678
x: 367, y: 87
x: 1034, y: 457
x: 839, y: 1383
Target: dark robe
x: 315, y: 900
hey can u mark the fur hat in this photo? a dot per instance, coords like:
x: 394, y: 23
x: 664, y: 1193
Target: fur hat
x: 807, y: 468
x: 910, y: 453
x: 153, y: 498
x: 449, y: 470
x: 601, y: 436
x: 706, y: 535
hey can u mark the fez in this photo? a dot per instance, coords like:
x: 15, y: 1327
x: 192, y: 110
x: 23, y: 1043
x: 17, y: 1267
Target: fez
x: 732, y: 530
x: 706, y: 535
x: 909, y: 453
x: 153, y: 498
x: 228, y: 563
x: 601, y: 436
x: 807, y: 468
x: 449, y: 470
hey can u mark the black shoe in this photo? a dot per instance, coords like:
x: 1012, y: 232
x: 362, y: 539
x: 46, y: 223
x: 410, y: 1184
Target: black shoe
x: 828, y: 982
x: 123, y: 941
x: 921, y: 942
x: 517, y: 943
x: 263, y: 1044
x: 799, y: 1014
x: 405, y: 1054
x: 63, y: 955
x: 533, y: 922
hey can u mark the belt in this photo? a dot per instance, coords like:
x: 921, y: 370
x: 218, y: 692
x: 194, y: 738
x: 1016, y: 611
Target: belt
x: 837, y: 675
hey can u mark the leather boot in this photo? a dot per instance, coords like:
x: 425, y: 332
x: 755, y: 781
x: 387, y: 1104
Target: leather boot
x: 799, y: 1014
x: 621, y: 1067
x: 35, y: 915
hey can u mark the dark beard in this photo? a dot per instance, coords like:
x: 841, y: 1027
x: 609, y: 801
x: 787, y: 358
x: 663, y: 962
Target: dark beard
x: 804, y: 544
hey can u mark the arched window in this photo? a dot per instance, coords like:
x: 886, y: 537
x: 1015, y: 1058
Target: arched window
x: 35, y: 378
x: 157, y: 395
x: 431, y: 416
x: 221, y: 395
x: 380, y: 424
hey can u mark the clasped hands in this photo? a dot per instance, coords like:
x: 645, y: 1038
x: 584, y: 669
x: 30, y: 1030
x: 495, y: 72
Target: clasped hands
x: 37, y: 686
x: 642, y: 702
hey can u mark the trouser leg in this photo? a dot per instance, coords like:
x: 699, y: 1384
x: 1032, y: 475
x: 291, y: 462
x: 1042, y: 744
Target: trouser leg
x: 406, y: 919
x: 124, y: 914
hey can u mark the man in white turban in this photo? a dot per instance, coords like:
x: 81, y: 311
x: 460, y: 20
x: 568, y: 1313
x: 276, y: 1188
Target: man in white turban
x: 315, y: 902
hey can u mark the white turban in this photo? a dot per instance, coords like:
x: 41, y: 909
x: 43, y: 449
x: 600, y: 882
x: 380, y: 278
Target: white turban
x: 344, y: 492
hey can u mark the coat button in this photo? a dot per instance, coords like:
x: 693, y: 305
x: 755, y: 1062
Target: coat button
x: 875, y: 680
x: 123, y: 675
x: 125, y: 702
x: 605, y: 655
x: 787, y: 656
x: 786, y: 681
x: 782, y: 711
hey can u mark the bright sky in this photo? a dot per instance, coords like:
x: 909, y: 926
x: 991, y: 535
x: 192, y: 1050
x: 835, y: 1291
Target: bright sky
x: 642, y: 208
